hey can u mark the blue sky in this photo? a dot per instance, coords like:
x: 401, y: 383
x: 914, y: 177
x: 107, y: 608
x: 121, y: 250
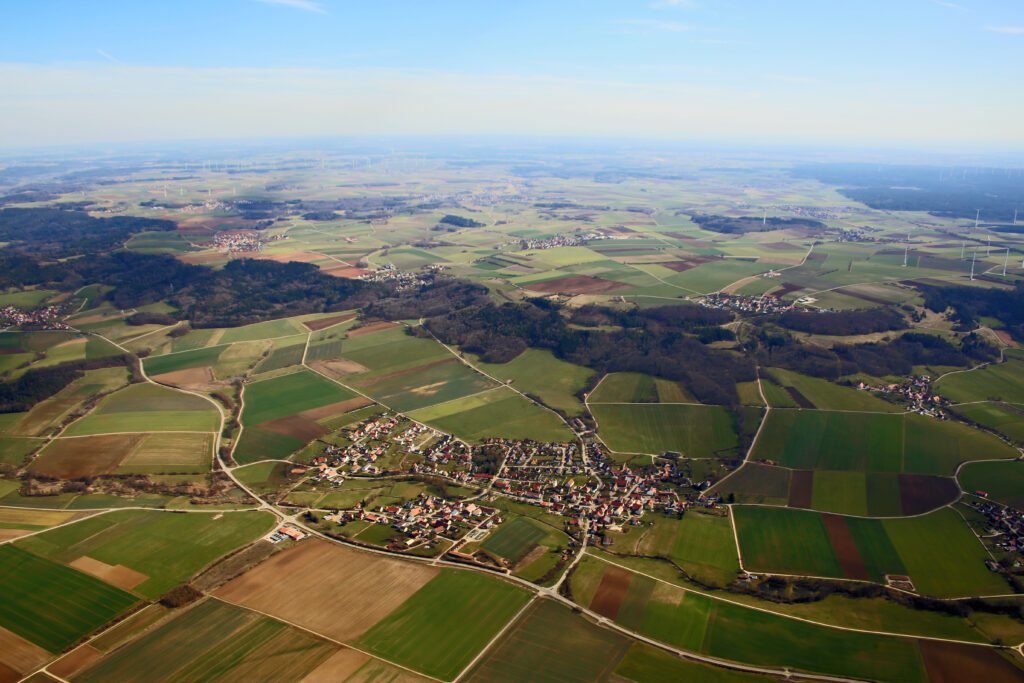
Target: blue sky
x: 764, y: 70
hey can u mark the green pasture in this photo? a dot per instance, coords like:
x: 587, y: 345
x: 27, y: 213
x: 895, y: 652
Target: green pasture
x: 645, y: 663
x: 997, y: 382
x: 1002, y: 481
x: 13, y: 450
x: 257, y: 443
x: 633, y: 387
x: 757, y: 483
x: 538, y: 373
x: 1002, y: 417
x: 496, y: 413
x: 828, y: 396
x: 282, y: 396
x: 172, y: 362
x: 266, y: 330
x: 513, y: 539
x: 52, y: 605
x: 420, y: 387
x: 148, y: 408
x: 167, y: 547
x: 27, y: 299
x: 702, y: 544
x: 442, y: 627
x: 785, y: 541
x: 694, y: 431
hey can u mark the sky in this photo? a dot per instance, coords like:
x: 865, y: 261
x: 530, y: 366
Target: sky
x: 771, y: 71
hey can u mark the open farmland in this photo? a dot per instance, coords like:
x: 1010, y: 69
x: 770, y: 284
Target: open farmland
x: 1002, y: 481
x: 148, y: 408
x: 872, y: 442
x: 694, y: 431
x: 633, y: 387
x: 497, y: 413
x: 81, y: 456
x: 214, y: 640
x: 513, y: 539
x: 997, y: 382
x: 1004, y: 418
x: 356, y: 589
x: 824, y: 395
x: 538, y: 373
x: 441, y: 627
x: 52, y: 605
x: 162, y: 548
x: 283, y: 396
x: 550, y: 643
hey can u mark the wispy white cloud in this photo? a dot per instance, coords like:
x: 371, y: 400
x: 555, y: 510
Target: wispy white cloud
x: 107, y: 55
x: 1006, y: 29
x: 657, y: 25
x: 307, y: 5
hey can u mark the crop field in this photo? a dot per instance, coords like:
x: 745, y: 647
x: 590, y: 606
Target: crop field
x: 647, y: 664
x: 513, y: 539
x: 1002, y: 481
x: 704, y: 546
x: 355, y: 589
x: 164, y: 548
x: 825, y: 395
x: 498, y: 413
x: 757, y: 483
x: 538, y: 373
x: 69, y: 458
x: 148, y: 408
x: 695, y: 622
x: 872, y: 442
x: 185, y: 360
x: 785, y: 541
x: 283, y: 396
x: 214, y: 640
x: 550, y: 643
x: 52, y: 605
x: 997, y: 382
x: 441, y: 628
x: 1002, y: 417
x: 694, y: 431
x: 633, y: 387
x: 391, y: 349
x: 416, y: 387
x: 281, y: 358
x: 267, y: 330
x: 257, y: 443
x: 14, y: 450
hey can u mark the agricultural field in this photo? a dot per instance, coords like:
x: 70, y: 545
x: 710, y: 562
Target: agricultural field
x: 1005, y: 418
x: 811, y: 392
x: 694, y: 431
x: 215, y: 640
x: 148, y: 408
x: 538, y: 373
x: 14, y: 450
x: 52, y: 605
x: 496, y: 413
x: 996, y: 382
x: 872, y: 442
x: 1001, y: 481
x: 148, y: 552
x: 441, y: 628
x: 153, y: 453
x: 633, y: 387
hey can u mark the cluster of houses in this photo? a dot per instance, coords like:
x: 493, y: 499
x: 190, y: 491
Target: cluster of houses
x: 285, y: 533
x: 426, y: 518
x: 389, y: 273
x: 762, y: 303
x: 1005, y: 524
x: 45, y: 316
x: 565, y: 240
x: 238, y: 241
x: 916, y: 391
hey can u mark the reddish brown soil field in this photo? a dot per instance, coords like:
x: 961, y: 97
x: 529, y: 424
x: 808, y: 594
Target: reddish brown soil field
x: 75, y: 661
x: 18, y: 656
x: 301, y: 256
x: 336, y: 408
x: 801, y: 485
x: 1005, y: 338
x: 923, y: 492
x: 85, y: 456
x: 863, y: 297
x: 403, y: 373
x: 336, y: 368
x: 338, y: 667
x: 577, y: 284
x: 686, y: 264
x: 8, y: 675
x: 608, y: 598
x: 327, y: 588
x: 344, y: 271
x: 321, y: 323
x: 178, y: 378
x: 954, y: 662
x: 115, y: 574
x: 296, y: 426
x: 845, y: 547
x: 371, y: 328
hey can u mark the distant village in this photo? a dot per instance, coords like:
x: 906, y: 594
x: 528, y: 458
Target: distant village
x: 242, y: 241
x: 915, y: 391
x: 1005, y: 527
x: 762, y: 303
x: 43, y: 317
x: 565, y: 240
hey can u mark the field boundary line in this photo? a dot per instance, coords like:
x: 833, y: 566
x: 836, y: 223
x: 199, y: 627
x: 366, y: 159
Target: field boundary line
x: 497, y: 636
x: 793, y: 617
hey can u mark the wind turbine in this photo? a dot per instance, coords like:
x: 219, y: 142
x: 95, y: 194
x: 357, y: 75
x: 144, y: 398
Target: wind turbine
x: 963, y: 245
x: 977, y: 219
x: 1006, y: 261
x: 973, y: 259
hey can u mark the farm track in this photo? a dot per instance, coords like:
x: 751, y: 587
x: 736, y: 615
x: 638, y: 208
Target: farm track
x: 538, y: 591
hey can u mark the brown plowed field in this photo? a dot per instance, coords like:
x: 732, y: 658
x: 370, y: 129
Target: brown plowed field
x: 863, y: 297
x: 115, y: 574
x: 577, y: 284
x: 336, y: 408
x: 923, y: 492
x: 337, y: 667
x: 43, y: 415
x: 336, y: 368
x: 327, y: 588
x: 371, y: 328
x: 608, y: 598
x: 1005, y: 337
x: 954, y: 663
x: 344, y: 271
x: 686, y: 264
x: 190, y: 377
x: 75, y: 661
x: 11, y: 534
x: 19, y: 655
x: 296, y: 426
x: 85, y: 456
x: 787, y: 288
x: 801, y: 486
x: 321, y: 323
x: 402, y: 373
x: 301, y: 256
x: 8, y: 675
x: 845, y: 547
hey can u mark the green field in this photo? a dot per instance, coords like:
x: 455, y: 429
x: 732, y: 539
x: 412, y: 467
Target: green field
x: 538, y: 373
x: 633, y: 387
x: 267, y: 330
x: 441, y: 628
x: 158, y: 365
x: 423, y: 385
x: 785, y: 541
x: 998, y: 382
x: 1002, y: 417
x: 281, y: 358
x: 214, y: 641
x: 872, y: 442
x: 828, y: 396
x: 148, y: 408
x: 550, y: 643
x: 648, y: 664
x: 757, y: 483
x: 52, y: 605
x: 27, y: 299
x: 498, y: 413
x: 282, y: 396
x: 167, y: 547
x: 513, y: 539
x: 14, y: 450
x: 843, y: 492
x: 257, y: 443
x: 1002, y: 481
x: 694, y: 431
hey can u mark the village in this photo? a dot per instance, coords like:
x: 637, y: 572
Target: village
x: 916, y: 392
x: 564, y: 240
x: 1005, y: 526
x: 404, y: 279
x: 44, y: 317
x: 763, y: 303
x: 242, y: 241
